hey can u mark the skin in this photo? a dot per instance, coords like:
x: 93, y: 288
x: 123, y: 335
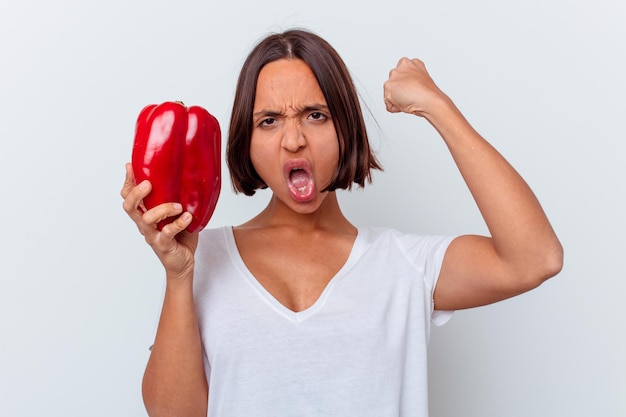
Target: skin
x: 174, y: 381
x: 523, y: 250
x: 283, y: 246
x: 311, y: 239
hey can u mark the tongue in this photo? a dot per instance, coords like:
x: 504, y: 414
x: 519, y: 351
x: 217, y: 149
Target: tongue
x: 299, y: 178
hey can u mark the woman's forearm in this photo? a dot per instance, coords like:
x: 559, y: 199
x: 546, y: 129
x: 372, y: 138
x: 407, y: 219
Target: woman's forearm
x: 174, y: 382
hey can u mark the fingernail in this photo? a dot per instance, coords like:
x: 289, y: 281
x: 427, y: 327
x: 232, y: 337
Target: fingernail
x: 177, y: 206
x: 143, y: 186
x: 186, y: 216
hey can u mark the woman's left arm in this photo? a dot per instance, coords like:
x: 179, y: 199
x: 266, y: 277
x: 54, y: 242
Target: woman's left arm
x: 523, y: 250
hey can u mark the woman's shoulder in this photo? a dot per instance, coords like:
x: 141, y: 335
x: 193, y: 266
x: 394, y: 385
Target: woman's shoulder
x: 214, y: 231
x: 406, y: 241
x: 214, y: 238
x: 383, y: 232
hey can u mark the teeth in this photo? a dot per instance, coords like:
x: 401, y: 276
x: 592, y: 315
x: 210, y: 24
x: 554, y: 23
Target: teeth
x: 302, y: 189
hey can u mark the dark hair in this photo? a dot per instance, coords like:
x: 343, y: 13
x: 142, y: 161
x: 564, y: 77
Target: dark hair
x: 356, y: 160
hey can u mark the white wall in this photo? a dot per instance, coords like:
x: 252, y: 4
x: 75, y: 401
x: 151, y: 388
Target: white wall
x: 542, y: 80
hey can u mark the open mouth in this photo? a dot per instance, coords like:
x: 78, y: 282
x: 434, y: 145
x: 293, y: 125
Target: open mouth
x: 299, y: 179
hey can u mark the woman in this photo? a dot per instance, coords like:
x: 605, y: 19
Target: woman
x: 297, y: 312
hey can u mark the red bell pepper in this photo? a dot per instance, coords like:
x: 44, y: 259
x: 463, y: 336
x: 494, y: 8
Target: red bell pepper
x: 178, y: 150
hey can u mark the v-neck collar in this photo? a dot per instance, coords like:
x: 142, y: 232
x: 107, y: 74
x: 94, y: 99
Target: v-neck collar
x: 358, y: 247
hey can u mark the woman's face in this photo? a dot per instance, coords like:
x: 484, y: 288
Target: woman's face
x: 294, y: 146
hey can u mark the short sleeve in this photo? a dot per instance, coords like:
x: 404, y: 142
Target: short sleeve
x: 437, y: 317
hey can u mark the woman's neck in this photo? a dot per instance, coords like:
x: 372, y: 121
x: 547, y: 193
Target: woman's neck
x: 328, y: 216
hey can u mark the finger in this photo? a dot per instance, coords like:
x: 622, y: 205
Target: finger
x: 402, y: 61
x: 388, y: 99
x: 133, y: 203
x: 391, y: 108
x: 161, y: 212
x: 129, y: 180
x: 148, y: 223
x: 413, y: 62
x: 172, y: 229
x: 165, y: 241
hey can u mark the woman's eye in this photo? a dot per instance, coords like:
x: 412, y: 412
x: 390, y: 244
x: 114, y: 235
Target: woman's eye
x: 317, y: 116
x: 267, y: 122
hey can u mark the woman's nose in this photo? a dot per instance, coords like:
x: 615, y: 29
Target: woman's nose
x: 293, y: 138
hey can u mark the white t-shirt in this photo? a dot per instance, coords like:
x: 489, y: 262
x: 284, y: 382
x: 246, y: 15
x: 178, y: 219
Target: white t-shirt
x: 360, y: 350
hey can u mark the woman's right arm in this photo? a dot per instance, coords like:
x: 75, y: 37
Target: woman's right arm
x: 174, y: 382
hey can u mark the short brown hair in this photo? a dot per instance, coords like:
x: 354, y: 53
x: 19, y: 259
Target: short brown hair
x: 356, y: 159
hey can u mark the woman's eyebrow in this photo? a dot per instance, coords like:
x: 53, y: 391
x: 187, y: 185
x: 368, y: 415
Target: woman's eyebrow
x: 304, y: 109
x: 267, y: 113
x: 314, y: 106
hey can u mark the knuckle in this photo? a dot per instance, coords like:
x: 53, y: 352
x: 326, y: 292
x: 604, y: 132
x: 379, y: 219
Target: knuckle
x: 173, y: 228
x: 127, y: 205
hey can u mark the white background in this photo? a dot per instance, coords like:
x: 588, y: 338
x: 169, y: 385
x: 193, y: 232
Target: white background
x: 543, y: 80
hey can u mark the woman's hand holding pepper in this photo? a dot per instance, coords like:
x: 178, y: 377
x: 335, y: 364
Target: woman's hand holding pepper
x: 174, y: 246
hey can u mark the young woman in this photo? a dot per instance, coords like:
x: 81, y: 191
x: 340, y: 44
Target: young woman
x: 297, y: 312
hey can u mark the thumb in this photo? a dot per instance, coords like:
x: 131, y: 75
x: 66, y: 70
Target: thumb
x: 389, y: 105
